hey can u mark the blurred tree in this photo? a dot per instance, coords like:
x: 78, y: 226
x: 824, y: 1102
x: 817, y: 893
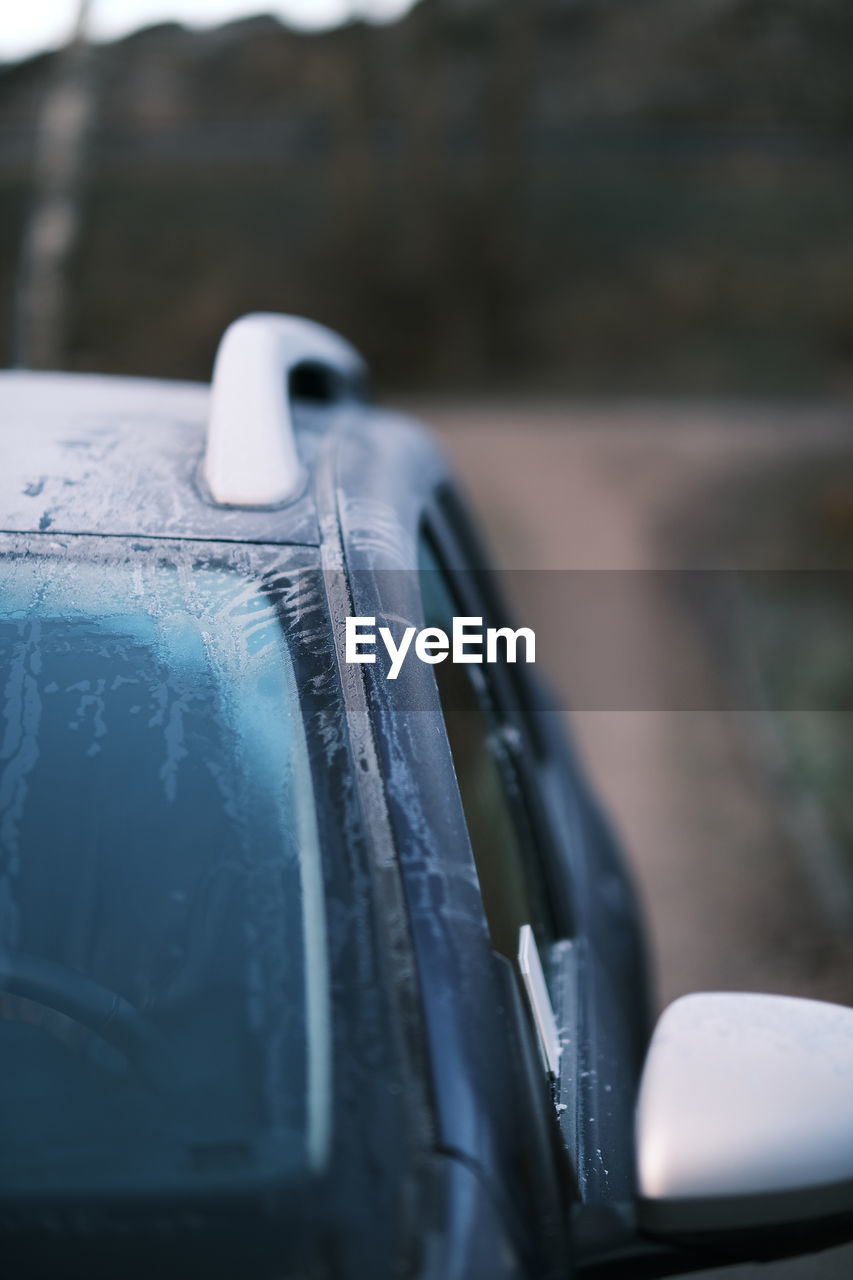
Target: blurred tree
x: 555, y: 193
x: 40, y: 331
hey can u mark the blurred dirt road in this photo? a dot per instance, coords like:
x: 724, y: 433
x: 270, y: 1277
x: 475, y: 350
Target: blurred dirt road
x: 729, y: 892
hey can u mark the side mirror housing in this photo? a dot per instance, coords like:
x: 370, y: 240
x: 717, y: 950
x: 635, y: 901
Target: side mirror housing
x: 744, y: 1120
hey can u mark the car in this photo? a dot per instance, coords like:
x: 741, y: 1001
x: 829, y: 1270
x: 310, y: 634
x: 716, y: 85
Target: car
x: 306, y: 971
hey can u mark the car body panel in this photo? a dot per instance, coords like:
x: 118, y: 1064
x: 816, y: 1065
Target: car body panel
x: 120, y: 456
x: 452, y: 1066
x: 397, y: 472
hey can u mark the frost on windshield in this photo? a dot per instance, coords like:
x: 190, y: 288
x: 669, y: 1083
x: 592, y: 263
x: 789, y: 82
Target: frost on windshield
x: 157, y: 830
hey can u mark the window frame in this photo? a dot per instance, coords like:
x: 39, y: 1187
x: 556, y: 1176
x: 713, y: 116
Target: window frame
x: 475, y: 593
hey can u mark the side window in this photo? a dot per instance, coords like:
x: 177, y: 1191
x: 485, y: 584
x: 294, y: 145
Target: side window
x: 510, y: 880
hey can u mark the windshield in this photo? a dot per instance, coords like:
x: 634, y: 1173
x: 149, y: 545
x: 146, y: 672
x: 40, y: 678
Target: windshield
x: 163, y: 994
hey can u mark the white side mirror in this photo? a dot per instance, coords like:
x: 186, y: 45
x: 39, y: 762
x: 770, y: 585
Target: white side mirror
x: 745, y: 1115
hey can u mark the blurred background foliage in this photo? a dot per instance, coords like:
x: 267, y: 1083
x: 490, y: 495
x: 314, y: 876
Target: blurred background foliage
x: 591, y: 196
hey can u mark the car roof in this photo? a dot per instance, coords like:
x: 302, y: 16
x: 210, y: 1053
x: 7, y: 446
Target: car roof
x: 263, y: 454
x: 87, y: 453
